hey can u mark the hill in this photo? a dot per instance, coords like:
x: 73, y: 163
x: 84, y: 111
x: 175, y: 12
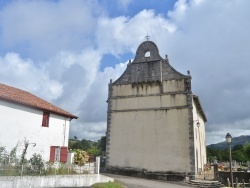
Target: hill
x: 241, y: 140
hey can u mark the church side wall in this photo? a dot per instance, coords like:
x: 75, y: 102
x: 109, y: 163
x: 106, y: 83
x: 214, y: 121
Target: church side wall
x: 149, y: 127
x: 199, y: 141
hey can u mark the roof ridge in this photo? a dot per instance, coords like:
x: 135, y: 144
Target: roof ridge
x: 23, y: 97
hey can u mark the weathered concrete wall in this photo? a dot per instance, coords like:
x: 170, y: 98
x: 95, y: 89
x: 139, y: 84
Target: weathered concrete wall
x: 152, y: 123
x: 148, y: 89
x: 52, y: 181
x: 143, y: 102
x: 155, y: 141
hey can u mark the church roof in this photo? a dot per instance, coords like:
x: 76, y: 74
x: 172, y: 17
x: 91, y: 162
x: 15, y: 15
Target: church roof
x: 199, y: 107
x: 148, y: 66
x: 25, y: 98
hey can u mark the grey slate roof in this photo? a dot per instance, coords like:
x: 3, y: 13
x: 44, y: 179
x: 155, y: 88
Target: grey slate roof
x: 148, y: 69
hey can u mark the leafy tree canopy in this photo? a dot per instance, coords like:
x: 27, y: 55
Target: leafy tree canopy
x: 240, y: 153
x: 95, y: 148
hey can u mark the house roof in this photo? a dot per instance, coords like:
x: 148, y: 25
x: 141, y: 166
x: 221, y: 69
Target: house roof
x: 199, y: 107
x: 25, y: 98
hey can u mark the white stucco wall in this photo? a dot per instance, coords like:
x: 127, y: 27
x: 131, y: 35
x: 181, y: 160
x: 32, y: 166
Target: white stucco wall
x: 199, y: 140
x: 19, y: 122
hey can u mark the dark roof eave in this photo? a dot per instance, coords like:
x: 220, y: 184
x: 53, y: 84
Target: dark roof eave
x: 199, y: 107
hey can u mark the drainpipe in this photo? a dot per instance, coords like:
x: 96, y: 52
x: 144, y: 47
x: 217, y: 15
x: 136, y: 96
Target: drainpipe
x: 64, y: 131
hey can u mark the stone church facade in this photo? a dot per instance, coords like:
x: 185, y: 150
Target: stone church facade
x: 155, y: 124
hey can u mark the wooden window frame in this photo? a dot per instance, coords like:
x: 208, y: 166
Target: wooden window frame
x: 62, y: 155
x: 45, y: 121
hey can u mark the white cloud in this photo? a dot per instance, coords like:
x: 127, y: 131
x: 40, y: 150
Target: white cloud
x: 212, y: 41
x: 179, y: 11
x: 236, y: 128
x: 124, y: 3
x: 92, y: 131
x: 124, y: 34
x: 93, y: 107
x: 23, y: 73
x: 76, y: 72
x: 44, y: 28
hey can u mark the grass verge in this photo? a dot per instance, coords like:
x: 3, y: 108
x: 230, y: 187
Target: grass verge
x: 107, y: 185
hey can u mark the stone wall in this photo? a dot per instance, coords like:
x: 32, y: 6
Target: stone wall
x: 142, y: 173
x: 240, y: 175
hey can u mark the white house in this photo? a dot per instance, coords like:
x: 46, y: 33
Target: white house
x: 45, y: 127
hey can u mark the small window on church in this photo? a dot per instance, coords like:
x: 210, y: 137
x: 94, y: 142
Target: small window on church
x: 45, y: 122
x: 147, y: 54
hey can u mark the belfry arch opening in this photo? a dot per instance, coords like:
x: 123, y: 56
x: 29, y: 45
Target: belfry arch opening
x: 147, y: 54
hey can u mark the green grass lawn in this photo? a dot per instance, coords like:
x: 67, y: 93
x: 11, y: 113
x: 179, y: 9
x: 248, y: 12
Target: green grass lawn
x: 107, y: 185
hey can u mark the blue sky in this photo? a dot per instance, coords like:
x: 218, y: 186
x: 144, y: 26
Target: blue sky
x: 67, y: 51
x: 131, y: 8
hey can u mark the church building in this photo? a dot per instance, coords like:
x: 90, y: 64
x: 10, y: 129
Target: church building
x: 155, y: 124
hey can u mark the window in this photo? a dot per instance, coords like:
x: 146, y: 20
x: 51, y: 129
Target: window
x: 45, y: 122
x: 58, y: 154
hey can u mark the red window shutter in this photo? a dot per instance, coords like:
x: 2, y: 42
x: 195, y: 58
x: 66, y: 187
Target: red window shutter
x: 45, y: 122
x: 52, y: 153
x: 63, y: 154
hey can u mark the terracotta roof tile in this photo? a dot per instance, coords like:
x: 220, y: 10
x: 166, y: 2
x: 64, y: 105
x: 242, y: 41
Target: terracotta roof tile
x: 28, y: 99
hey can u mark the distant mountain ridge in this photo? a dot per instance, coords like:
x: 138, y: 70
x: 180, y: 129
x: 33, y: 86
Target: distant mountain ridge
x: 241, y: 140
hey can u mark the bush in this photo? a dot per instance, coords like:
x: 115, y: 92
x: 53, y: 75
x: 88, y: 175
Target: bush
x: 81, y: 157
x: 36, y: 165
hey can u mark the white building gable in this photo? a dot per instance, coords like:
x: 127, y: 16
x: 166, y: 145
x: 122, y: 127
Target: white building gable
x: 44, y: 126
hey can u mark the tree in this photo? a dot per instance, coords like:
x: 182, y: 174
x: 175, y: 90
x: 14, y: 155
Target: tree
x: 3, y: 154
x: 246, y: 149
x: 102, y: 144
x: 92, y: 147
x: 238, y: 147
x: 77, y: 145
x: 238, y: 155
x: 211, y: 153
x: 85, y: 144
x: 94, y: 151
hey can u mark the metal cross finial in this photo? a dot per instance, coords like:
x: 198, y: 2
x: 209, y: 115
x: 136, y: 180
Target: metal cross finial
x: 147, y: 37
